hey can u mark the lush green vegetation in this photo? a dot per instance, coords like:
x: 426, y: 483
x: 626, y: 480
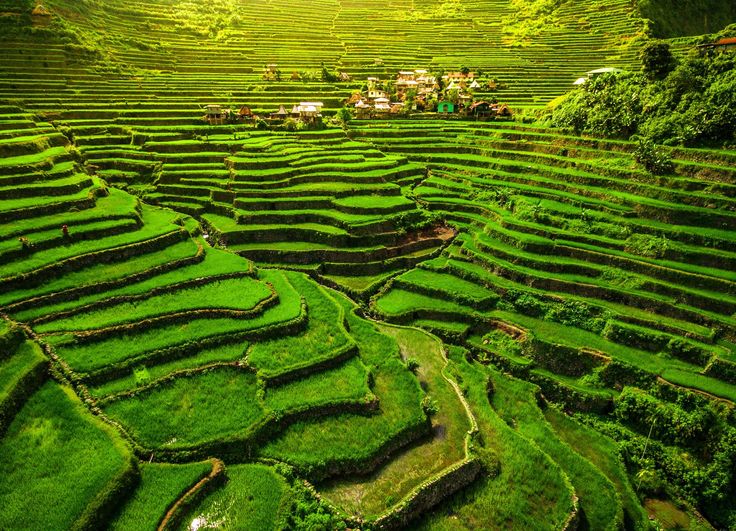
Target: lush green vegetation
x: 60, y: 467
x: 670, y: 18
x: 423, y: 321
x: 689, y: 103
x: 254, y: 497
x: 160, y: 486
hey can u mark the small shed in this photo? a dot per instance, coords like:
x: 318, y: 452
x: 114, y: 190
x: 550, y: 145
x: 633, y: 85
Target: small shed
x: 446, y: 107
x: 344, y: 76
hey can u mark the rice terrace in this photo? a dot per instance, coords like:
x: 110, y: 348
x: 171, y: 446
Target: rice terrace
x: 348, y: 264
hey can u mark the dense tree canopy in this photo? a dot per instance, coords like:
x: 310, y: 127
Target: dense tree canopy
x: 694, y: 103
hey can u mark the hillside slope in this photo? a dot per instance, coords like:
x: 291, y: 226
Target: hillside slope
x: 680, y: 18
x: 427, y: 321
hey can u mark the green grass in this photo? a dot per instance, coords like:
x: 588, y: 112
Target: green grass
x: 310, y: 444
x: 374, y: 494
x: 119, y: 348
x: 241, y: 294
x: 109, y: 271
x: 530, y: 490
x: 455, y: 288
x: 55, y: 460
x: 223, y: 353
x: 515, y: 402
x: 325, y: 334
x: 27, y: 357
x: 399, y: 301
x: 191, y: 410
x: 215, y: 263
x: 346, y: 382
x: 254, y: 497
x: 604, y: 454
x: 161, y: 485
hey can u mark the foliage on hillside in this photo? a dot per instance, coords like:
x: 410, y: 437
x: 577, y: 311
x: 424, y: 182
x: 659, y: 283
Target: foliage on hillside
x: 675, y: 18
x: 695, y: 103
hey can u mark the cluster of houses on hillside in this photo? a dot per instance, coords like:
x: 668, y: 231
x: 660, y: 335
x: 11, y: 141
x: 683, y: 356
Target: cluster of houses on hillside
x: 411, y: 91
x: 418, y: 90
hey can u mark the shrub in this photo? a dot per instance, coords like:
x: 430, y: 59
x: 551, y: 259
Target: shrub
x: 412, y: 364
x: 430, y: 406
x: 647, y: 245
x: 694, y: 103
x: 655, y: 159
x: 142, y: 377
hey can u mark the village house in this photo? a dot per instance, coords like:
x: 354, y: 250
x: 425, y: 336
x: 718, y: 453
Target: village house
x: 417, y: 80
x: 481, y: 110
x: 245, y: 114
x: 459, y: 78
x: 446, y: 107
x: 382, y: 106
x: 376, y: 93
x: 363, y: 110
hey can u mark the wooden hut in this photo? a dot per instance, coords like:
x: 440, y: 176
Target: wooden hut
x: 281, y: 114
x: 481, y: 110
x: 310, y: 111
x: 214, y: 115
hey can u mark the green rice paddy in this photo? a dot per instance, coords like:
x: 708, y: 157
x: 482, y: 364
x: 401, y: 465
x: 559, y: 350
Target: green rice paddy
x: 424, y: 321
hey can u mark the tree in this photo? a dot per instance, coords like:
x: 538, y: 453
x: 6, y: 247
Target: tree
x: 327, y: 76
x: 657, y: 60
x: 344, y: 116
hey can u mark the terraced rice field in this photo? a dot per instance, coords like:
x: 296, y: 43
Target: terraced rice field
x: 426, y: 322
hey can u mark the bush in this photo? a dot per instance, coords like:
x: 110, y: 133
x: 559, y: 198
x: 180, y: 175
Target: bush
x: 412, y: 364
x: 430, y: 406
x: 647, y: 245
x: 655, y: 159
